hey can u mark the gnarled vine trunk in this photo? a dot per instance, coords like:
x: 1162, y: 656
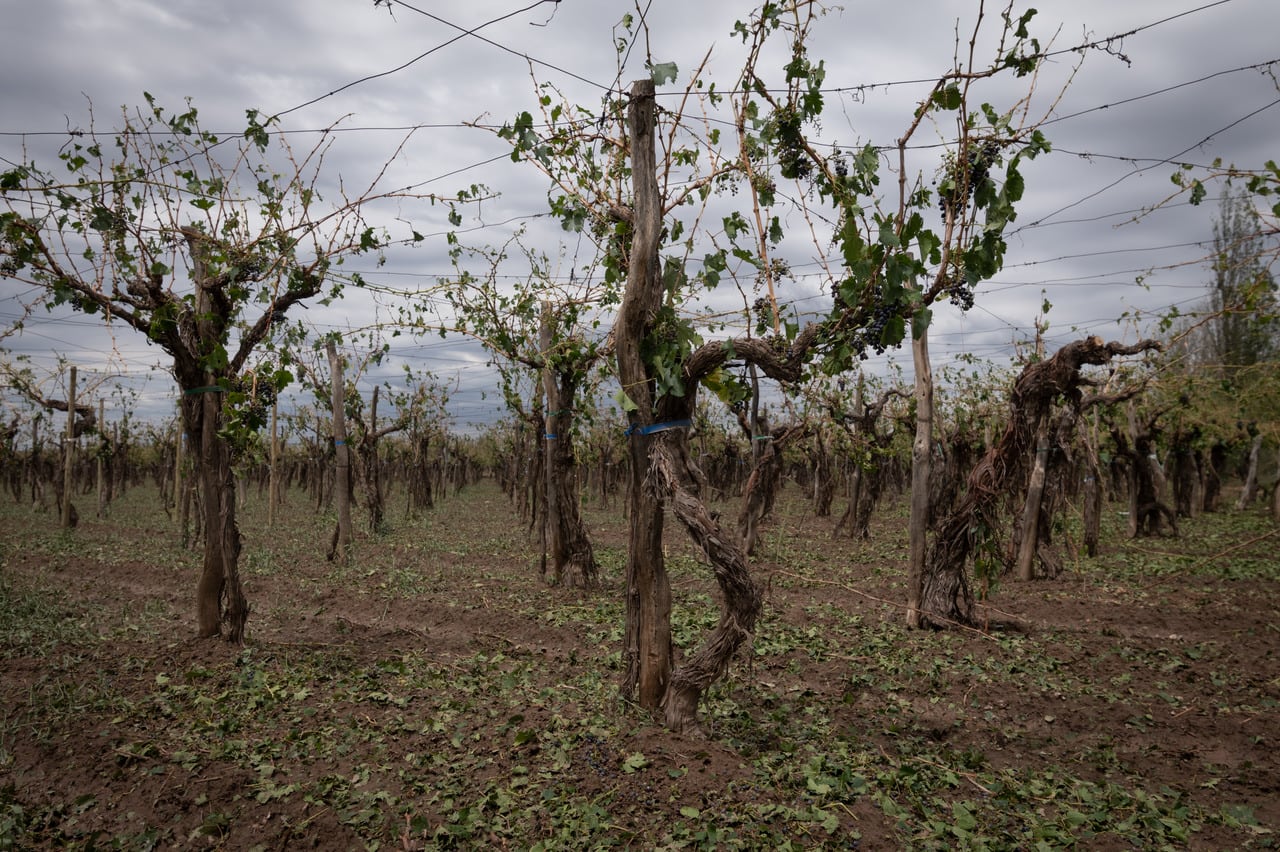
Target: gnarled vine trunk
x: 946, y: 598
x: 573, y: 561
x: 662, y: 471
x: 219, y: 594
x: 673, y: 473
x: 761, y: 490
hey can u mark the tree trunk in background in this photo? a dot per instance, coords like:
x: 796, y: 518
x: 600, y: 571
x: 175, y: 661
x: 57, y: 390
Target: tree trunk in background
x: 552, y: 540
x: 273, y: 487
x: 1133, y: 477
x: 419, y: 490
x: 1212, y: 477
x: 1275, y: 494
x: 1197, y: 485
x: 181, y: 482
x: 11, y: 466
x: 1184, y: 482
x: 69, y: 457
x: 867, y: 478
x: 319, y: 466
x: 761, y: 490
x: 1248, y: 493
x: 371, y: 468
x: 37, y: 481
x: 1092, y: 497
x: 824, y: 483
x: 946, y: 596
x: 342, y: 476
x: 1147, y: 480
x: 573, y: 560
x: 102, y: 461
x: 1091, y: 494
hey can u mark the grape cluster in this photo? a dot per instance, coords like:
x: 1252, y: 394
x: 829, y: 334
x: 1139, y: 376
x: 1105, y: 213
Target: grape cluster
x: 961, y: 294
x: 873, y: 332
x: 764, y: 314
x: 666, y: 331
x: 980, y: 162
x: 977, y: 163
x: 793, y: 160
x: 841, y: 164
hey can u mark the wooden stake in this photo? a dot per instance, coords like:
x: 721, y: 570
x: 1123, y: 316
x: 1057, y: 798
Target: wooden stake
x: 342, y: 481
x: 69, y: 453
x: 102, y: 481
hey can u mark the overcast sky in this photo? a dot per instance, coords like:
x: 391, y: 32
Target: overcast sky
x: 1195, y: 82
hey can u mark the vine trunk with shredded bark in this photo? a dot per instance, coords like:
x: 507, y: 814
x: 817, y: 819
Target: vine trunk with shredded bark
x: 946, y: 598
x: 674, y: 479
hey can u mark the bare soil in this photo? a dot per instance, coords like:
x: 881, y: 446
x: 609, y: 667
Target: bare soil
x: 436, y: 693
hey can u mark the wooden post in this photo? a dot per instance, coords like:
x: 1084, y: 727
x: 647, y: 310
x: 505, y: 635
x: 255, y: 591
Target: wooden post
x: 182, y: 491
x: 118, y: 481
x: 318, y: 455
x: 273, y: 473
x: 102, y: 482
x: 1134, y: 473
x: 1275, y: 495
x: 342, y: 479
x: 372, y: 474
x: 1029, y: 536
x: 1247, y: 494
x: 647, y: 651
x: 69, y: 452
x: 1092, y: 495
x: 921, y: 463
x: 856, y: 479
x: 37, y: 492
x: 757, y: 441
x: 554, y: 546
x: 177, y: 467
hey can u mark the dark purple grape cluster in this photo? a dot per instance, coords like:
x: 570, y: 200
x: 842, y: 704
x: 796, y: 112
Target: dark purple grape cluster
x: 763, y: 311
x: 873, y: 332
x: 961, y: 294
x: 840, y: 163
x: 980, y: 163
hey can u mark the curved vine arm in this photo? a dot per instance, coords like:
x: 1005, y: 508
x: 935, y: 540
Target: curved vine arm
x: 781, y: 362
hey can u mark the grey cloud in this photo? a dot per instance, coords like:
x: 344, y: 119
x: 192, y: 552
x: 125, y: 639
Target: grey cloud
x: 277, y: 54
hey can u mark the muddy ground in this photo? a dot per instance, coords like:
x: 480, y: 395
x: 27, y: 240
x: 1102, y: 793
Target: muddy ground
x: 435, y: 693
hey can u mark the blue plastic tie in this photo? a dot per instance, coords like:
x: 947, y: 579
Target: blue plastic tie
x: 657, y: 427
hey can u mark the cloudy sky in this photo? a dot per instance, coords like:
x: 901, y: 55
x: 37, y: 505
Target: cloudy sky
x: 1177, y: 82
